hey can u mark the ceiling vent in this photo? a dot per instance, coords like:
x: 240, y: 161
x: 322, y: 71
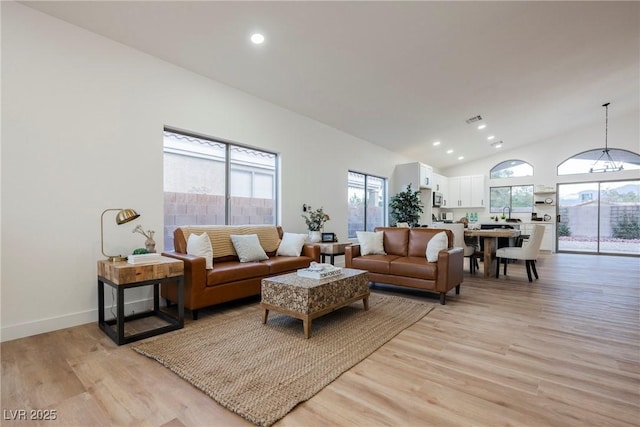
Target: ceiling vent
x: 474, y: 119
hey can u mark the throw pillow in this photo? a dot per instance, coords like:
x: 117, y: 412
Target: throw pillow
x: 201, y: 246
x: 435, y: 245
x: 371, y: 242
x: 248, y: 247
x: 291, y: 244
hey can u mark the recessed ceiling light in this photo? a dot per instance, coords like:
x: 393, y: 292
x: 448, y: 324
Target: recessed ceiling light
x: 497, y: 144
x: 435, y: 144
x: 449, y: 151
x: 257, y: 38
x: 490, y: 137
x: 460, y: 157
x: 482, y: 127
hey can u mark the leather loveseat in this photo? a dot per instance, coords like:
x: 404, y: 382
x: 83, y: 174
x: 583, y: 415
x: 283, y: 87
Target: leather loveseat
x: 230, y: 279
x: 405, y: 262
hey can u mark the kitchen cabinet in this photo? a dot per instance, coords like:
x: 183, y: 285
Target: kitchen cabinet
x: 426, y: 176
x: 417, y: 174
x: 440, y: 183
x: 466, y: 191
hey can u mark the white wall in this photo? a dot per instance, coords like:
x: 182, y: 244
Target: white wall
x: 82, y: 122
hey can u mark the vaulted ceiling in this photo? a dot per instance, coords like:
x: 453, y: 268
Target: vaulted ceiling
x: 402, y: 75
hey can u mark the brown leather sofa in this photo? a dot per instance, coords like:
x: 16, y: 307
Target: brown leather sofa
x: 230, y: 279
x: 405, y: 263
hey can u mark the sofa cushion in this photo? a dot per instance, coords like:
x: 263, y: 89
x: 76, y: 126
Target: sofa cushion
x: 419, y: 238
x: 435, y: 245
x: 417, y: 267
x: 371, y: 243
x: 221, y: 242
x: 291, y: 244
x: 395, y: 240
x: 373, y: 263
x: 248, y: 247
x: 232, y: 271
x: 285, y: 264
x: 201, y: 246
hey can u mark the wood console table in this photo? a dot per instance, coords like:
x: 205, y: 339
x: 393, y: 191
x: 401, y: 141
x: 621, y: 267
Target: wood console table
x: 332, y: 249
x: 491, y: 244
x: 121, y: 276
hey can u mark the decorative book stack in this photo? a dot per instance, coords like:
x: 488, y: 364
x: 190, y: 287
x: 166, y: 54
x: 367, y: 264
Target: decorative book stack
x: 319, y: 271
x: 144, y: 258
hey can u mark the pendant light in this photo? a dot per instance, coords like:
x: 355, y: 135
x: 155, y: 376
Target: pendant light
x: 605, y: 162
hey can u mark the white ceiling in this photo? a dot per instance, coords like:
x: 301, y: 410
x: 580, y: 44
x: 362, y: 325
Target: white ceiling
x: 401, y: 74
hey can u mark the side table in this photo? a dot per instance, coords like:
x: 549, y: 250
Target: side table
x: 332, y: 249
x: 121, y: 276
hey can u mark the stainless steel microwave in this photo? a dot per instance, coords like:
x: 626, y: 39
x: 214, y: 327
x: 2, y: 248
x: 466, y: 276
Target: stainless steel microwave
x: 437, y: 199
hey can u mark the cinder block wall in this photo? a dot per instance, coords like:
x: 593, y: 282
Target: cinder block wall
x: 206, y: 209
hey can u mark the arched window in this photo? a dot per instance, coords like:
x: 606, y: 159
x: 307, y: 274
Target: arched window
x: 511, y: 169
x: 600, y: 160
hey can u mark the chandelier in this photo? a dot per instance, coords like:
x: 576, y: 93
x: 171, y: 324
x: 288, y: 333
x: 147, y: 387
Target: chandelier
x: 605, y: 162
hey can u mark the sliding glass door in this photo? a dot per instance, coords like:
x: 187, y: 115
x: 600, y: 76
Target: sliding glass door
x: 599, y: 217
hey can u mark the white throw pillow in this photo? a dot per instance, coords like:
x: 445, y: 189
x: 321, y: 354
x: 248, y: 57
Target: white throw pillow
x: 201, y: 246
x: 248, y: 247
x: 435, y: 245
x: 291, y: 244
x: 371, y: 242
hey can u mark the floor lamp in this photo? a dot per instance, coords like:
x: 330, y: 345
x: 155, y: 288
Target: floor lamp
x: 124, y: 216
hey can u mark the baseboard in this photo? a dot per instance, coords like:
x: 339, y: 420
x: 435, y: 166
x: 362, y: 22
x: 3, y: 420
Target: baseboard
x: 41, y: 326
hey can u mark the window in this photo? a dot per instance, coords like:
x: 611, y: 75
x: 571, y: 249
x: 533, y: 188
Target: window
x: 599, y: 217
x: 518, y: 198
x: 366, y: 200
x: 593, y: 161
x: 196, y: 188
x: 511, y: 169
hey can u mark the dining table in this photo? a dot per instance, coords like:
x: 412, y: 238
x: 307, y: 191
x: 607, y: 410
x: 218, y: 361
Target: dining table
x: 490, y: 244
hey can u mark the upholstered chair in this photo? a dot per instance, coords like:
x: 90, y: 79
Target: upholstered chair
x: 458, y: 241
x: 528, y: 252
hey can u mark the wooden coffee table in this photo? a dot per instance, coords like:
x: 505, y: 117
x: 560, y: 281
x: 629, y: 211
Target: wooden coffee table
x: 308, y: 299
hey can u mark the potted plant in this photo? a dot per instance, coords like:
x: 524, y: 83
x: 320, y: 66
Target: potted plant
x: 315, y: 220
x: 406, y: 206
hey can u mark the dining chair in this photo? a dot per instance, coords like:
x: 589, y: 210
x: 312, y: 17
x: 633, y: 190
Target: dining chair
x: 459, y: 242
x: 528, y: 252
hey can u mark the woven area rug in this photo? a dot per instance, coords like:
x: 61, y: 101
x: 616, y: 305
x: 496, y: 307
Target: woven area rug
x: 261, y: 372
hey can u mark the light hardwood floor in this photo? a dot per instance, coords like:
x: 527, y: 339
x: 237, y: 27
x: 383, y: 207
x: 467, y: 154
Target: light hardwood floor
x: 562, y: 351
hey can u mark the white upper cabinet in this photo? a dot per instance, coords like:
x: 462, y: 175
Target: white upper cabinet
x: 441, y: 185
x: 466, y: 192
x: 417, y: 174
x: 426, y: 176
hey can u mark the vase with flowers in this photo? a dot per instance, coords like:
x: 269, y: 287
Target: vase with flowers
x: 315, y: 219
x: 150, y: 244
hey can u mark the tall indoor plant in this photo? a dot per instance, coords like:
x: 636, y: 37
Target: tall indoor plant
x: 406, y: 206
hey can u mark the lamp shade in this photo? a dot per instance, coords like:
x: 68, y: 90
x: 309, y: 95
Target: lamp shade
x: 126, y: 215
